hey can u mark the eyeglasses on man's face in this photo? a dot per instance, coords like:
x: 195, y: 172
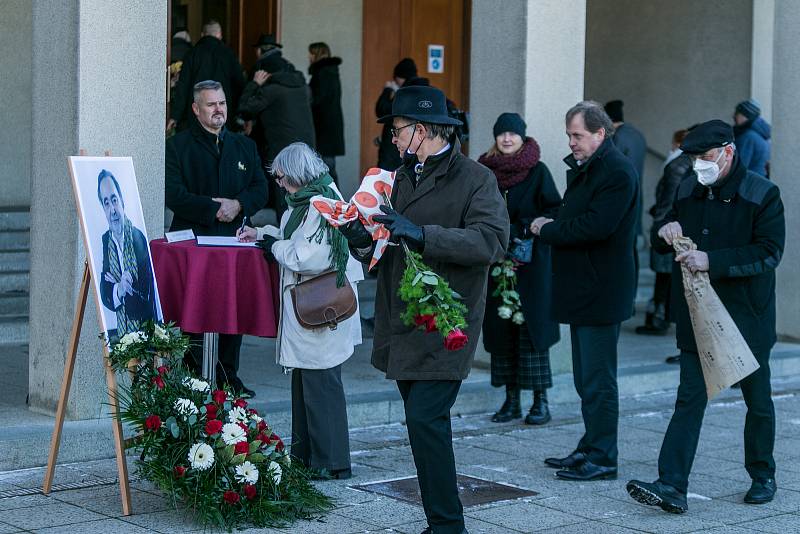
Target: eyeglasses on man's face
x: 396, y: 131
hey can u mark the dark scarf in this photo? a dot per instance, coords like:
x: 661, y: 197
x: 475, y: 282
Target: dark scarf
x: 511, y: 170
x: 300, y: 202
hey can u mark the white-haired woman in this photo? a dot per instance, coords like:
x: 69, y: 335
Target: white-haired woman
x: 304, y: 247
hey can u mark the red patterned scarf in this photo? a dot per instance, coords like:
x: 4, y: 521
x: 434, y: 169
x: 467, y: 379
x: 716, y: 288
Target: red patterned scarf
x: 511, y: 170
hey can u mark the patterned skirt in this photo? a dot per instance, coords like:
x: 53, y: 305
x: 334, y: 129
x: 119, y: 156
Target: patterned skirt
x: 519, y: 364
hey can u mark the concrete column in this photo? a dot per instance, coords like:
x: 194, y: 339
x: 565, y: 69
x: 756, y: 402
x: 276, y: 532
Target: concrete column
x: 785, y: 159
x: 98, y: 83
x: 15, y: 84
x: 762, y: 58
x: 529, y: 60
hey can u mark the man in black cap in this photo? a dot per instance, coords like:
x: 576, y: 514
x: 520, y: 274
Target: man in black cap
x: 591, y: 242
x: 735, y: 217
x: 266, y: 45
x: 448, y: 208
x: 404, y: 71
x: 751, y: 134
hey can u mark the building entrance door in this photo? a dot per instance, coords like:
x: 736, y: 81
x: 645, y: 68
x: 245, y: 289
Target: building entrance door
x: 434, y: 33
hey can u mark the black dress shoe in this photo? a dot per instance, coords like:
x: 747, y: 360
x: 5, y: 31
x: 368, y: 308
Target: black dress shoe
x: 564, y: 463
x: 586, y: 471
x: 761, y: 491
x: 658, y: 494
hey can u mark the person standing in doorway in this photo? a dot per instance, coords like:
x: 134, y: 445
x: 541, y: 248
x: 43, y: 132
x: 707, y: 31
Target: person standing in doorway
x: 592, y: 238
x: 326, y: 104
x: 519, y: 343
x: 388, y: 156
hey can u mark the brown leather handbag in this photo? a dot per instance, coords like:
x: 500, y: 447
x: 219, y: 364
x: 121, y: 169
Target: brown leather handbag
x: 317, y: 302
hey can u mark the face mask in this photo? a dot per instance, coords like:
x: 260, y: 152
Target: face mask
x: 708, y: 171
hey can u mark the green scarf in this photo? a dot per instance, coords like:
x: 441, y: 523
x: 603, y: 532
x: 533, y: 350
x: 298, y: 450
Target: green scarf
x: 300, y: 202
x: 124, y: 323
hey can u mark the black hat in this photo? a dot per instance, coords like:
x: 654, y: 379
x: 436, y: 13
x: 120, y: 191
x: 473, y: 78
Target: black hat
x: 509, y: 122
x: 707, y: 135
x: 421, y: 103
x: 266, y: 40
x: 749, y: 108
x: 272, y: 62
x: 405, y: 69
x: 614, y: 110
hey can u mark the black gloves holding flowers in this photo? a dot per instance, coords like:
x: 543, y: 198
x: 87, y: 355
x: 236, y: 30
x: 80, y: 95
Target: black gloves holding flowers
x: 401, y: 227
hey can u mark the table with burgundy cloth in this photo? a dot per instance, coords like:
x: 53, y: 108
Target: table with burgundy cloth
x: 216, y: 290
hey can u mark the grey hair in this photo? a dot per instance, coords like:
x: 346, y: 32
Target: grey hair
x: 442, y: 131
x: 206, y: 85
x: 299, y: 165
x: 212, y: 27
x: 594, y: 116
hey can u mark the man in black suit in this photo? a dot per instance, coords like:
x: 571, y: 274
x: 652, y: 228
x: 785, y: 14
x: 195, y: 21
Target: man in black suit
x: 213, y: 179
x: 126, y: 280
x: 594, y: 277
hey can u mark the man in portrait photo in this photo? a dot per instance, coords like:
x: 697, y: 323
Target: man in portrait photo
x: 126, y: 280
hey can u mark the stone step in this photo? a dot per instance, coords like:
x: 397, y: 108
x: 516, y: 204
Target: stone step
x: 13, y: 219
x: 14, y: 303
x: 13, y: 330
x: 14, y: 260
x: 14, y: 281
x: 15, y: 240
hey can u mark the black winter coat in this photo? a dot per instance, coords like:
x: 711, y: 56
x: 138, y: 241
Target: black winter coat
x: 536, y: 196
x: 460, y: 209
x: 209, y: 59
x: 675, y: 172
x: 283, y: 108
x: 326, y: 106
x: 739, y: 222
x: 196, y: 172
x: 388, y: 156
x: 592, y: 240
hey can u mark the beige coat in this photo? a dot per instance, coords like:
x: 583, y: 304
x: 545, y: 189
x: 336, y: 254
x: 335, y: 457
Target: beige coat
x: 298, y: 347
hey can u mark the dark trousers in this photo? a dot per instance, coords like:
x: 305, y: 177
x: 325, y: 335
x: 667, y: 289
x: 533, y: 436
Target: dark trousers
x: 427, y: 405
x: 228, y: 358
x: 320, y: 438
x: 680, y: 442
x: 594, y: 368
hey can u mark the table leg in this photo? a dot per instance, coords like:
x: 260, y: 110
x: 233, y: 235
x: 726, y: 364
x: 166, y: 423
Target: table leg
x: 210, y: 348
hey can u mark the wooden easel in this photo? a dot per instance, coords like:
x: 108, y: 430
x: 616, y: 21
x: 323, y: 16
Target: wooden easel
x: 66, y: 383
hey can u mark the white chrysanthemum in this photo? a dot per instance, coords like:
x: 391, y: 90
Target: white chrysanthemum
x: 276, y: 472
x: 186, y: 407
x: 160, y: 333
x: 196, y: 385
x: 504, y: 312
x: 233, y: 434
x: 237, y: 415
x: 247, y: 472
x: 518, y: 318
x: 201, y: 456
x: 509, y: 272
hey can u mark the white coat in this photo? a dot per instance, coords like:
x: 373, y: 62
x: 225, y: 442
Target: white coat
x: 299, y: 347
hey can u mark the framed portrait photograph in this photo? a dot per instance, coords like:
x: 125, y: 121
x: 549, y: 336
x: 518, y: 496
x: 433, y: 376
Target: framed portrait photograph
x: 110, y: 211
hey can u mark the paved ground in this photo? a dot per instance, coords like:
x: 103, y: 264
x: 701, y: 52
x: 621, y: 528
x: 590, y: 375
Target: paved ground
x: 508, y: 453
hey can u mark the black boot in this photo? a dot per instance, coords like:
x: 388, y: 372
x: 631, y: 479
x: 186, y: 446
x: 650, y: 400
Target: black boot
x: 655, y: 323
x: 540, y: 413
x: 511, y: 408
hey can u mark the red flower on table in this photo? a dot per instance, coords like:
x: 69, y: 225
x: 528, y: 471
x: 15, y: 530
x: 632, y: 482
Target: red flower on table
x: 219, y: 396
x: 152, y: 423
x: 214, y: 426
x: 179, y: 471
x: 158, y: 382
x: 261, y: 426
x: 263, y: 438
x: 211, y: 411
x: 230, y: 497
x: 249, y: 491
x: 241, y: 403
x: 279, y: 446
x: 241, y: 448
x: 428, y: 321
x: 455, y: 340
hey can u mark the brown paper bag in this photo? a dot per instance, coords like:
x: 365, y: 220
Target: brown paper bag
x: 724, y: 354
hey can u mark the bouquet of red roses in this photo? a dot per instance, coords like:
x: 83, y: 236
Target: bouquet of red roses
x: 430, y: 302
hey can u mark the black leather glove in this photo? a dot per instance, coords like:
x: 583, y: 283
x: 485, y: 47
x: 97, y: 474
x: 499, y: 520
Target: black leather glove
x: 401, y: 228
x: 266, y: 245
x: 356, y: 234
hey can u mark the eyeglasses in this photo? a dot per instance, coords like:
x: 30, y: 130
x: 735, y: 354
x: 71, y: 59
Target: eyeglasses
x: 396, y: 131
